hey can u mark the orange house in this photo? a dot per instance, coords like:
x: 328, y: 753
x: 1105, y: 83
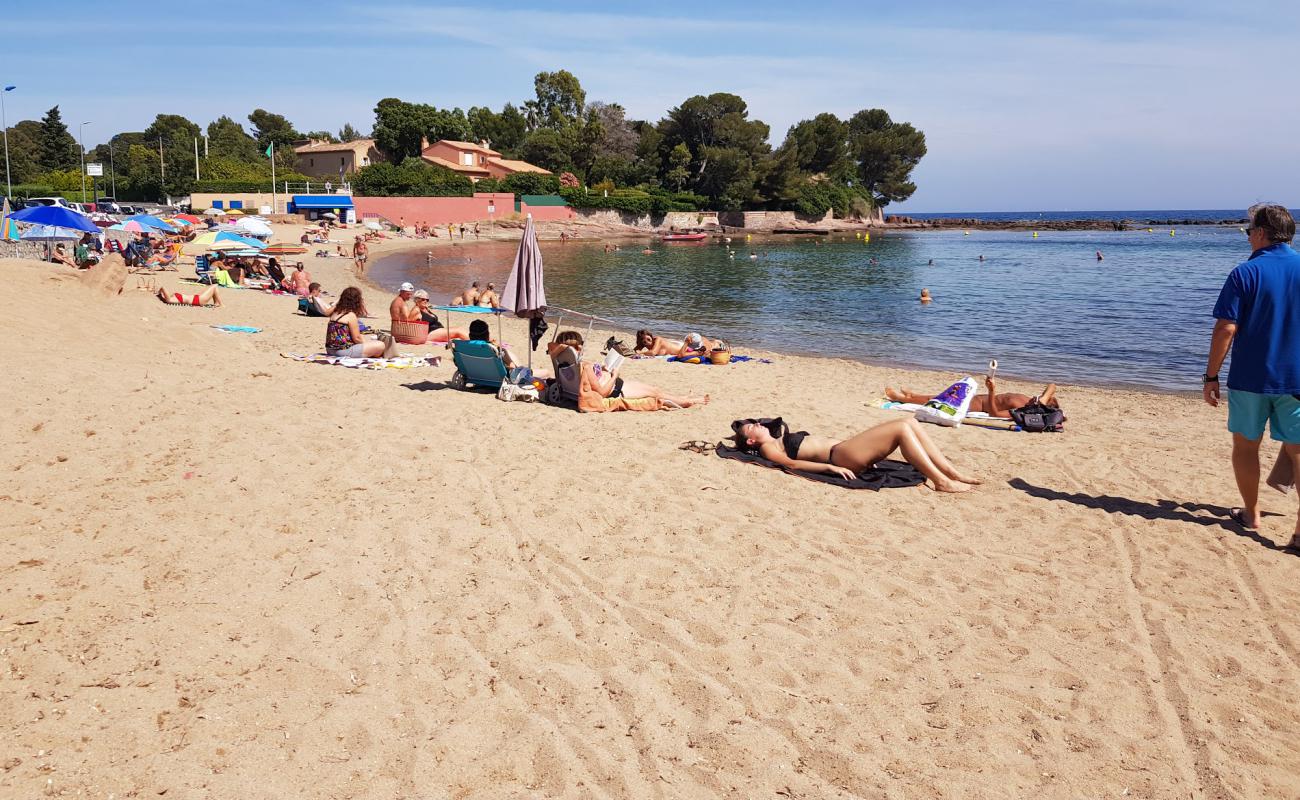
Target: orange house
x: 474, y: 161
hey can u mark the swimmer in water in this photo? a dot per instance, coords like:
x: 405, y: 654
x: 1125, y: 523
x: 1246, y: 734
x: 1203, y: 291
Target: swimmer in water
x: 1099, y: 256
x: 981, y: 258
x: 925, y: 297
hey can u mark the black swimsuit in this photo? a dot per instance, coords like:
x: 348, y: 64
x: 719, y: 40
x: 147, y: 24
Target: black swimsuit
x: 432, y: 319
x: 792, y: 441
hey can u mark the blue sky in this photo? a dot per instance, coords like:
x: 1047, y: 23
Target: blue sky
x: 1043, y: 105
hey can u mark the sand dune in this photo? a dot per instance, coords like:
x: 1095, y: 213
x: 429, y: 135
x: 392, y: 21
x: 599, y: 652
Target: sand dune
x: 229, y: 574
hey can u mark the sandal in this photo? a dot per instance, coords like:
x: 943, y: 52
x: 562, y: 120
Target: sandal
x: 1238, y: 515
x: 697, y: 446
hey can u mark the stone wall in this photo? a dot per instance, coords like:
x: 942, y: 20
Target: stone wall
x: 769, y: 220
x: 672, y: 219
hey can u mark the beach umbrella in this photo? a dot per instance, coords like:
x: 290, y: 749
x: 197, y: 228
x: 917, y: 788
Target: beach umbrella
x: 150, y: 222
x: 253, y: 227
x: 214, y: 212
x: 130, y: 225
x: 50, y: 233
x: 281, y: 249
x: 55, y: 216
x: 187, y: 218
x: 178, y: 221
x: 212, y: 237
x: 525, y: 292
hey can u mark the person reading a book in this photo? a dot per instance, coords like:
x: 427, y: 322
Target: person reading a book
x: 993, y: 403
x: 647, y: 344
x: 605, y: 380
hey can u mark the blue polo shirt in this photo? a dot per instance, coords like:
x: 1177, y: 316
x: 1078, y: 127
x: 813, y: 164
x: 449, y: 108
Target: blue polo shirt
x: 1262, y: 295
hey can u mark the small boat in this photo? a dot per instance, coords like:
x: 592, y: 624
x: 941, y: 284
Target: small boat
x: 684, y: 237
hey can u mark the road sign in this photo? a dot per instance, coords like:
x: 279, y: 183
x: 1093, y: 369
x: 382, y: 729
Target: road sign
x: 95, y: 170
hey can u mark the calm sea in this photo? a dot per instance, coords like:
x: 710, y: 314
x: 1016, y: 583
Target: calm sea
x: 1044, y: 307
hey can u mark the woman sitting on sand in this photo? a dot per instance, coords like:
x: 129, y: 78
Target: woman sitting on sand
x: 343, y: 331
x: 607, y: 383
x: 993, y: 404
x: 846, y: 459
x: 208, y: 297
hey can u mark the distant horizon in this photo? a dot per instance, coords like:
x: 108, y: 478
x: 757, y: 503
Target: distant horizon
x: 1057, y: 106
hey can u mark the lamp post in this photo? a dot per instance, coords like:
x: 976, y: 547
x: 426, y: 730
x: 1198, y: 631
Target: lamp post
x: 112, y: 169
x: 9, y: 187
x: 81, y: 143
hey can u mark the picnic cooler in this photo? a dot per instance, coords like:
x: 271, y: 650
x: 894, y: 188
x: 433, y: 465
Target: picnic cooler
x: 411, y: 332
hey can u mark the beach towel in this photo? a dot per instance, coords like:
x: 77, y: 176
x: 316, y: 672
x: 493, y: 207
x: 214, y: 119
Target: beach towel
x: 885, y: 475
x: 976, y: 418
x: 735, y: 359
x: 237, y: 328
x: 397, y: 362
x: 949, y: 407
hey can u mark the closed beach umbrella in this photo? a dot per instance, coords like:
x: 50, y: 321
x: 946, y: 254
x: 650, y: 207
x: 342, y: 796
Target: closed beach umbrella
x: 9, y: 230
x: 56, y: 216
x: 525, y: 292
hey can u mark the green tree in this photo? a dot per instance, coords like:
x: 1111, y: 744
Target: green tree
x: 275, y: 129
x: 726, y: 146
x: 177, y: 135
x: 400, y: 127
x: 560, y: 100
x: 59, y: 149
x: 505, y: 131
x: 321, y: 136
x: 821, y: 146
x: 349, y: 134
x: 679, y: 166
x: 548, y: 149
x: 886, y: 152
x: 25, y: 151
x: 227, y: 139
x: 412, y: 177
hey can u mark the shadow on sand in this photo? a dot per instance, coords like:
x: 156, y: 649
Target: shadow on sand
x: 1195, y: 513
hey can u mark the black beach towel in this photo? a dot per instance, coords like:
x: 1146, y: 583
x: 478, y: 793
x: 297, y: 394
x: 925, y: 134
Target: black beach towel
x: 885, y: 475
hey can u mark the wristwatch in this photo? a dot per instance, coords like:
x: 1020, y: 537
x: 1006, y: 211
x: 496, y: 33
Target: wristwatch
x: 1207, y: 378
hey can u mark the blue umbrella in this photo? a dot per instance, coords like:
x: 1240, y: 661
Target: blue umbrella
x: 150, y: 221
x: 56, y: 216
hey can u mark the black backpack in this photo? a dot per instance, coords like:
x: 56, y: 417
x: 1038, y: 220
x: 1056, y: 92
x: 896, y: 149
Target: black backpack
x: 1038, y: 418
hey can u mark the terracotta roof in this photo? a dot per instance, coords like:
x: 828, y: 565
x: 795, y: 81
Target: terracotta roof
x: 335, y: 147
x: 468, y: 146
x: 452, y: 165
x: 518, y: 166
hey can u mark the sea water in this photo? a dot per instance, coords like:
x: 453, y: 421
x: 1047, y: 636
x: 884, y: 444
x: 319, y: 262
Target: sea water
x: 1043, y: 306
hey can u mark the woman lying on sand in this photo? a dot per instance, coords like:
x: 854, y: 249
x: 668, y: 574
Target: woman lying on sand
x: 208, y: 297
x: 993, y: 404
x: 647, y: 344
x: 343, y: 331
x: 845, y: 459
x: 608, y: 384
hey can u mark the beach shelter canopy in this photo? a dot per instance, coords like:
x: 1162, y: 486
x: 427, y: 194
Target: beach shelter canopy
x: 56, y: 216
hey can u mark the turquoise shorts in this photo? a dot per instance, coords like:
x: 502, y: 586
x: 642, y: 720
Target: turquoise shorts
x: 1248, y: 411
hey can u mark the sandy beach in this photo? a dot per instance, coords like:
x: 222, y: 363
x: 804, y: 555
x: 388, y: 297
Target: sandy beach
x: 231, y: 574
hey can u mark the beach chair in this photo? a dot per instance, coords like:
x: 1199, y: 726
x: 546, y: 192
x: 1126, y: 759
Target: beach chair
x: 203, y: 270
x: 565, y: 365
x: 477, y: 364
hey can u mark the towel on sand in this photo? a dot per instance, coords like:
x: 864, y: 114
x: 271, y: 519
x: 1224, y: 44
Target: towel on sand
x: 735, y: 359
x: 977, y: 418
x: 397, y: 362
x: 885, y: 475
x: 237, y: 328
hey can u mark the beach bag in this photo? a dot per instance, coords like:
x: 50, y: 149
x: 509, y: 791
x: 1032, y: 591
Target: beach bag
x: 1035, y: 417
x: 411, y: 332
x: 949, y: 407
x: 513, y: 391
x: 520, y: 376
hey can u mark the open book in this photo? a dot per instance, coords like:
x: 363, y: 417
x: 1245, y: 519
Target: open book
x: 613, y: 360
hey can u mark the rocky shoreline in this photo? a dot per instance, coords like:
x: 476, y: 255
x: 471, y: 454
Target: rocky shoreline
x: 974, y: 223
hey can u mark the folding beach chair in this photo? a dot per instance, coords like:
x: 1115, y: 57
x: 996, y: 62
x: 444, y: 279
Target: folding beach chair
x: 477, y: 364
x: 565, y: 365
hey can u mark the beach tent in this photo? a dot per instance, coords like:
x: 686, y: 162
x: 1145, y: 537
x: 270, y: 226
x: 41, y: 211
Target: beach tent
x: 55, y: 216
x: 525, y: 292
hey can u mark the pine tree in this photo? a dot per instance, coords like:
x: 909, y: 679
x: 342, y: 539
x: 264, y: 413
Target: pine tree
x: 58, y: 148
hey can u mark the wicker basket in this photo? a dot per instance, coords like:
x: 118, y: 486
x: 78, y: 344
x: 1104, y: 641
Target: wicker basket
x: 411, y: 332
x: 720, y: 357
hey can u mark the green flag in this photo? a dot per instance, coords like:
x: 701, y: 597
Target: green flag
x: 268, y: 149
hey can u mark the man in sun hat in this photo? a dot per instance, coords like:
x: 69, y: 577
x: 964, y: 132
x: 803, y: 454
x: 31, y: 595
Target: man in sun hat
x: 400, y: 309
x: 1258, y: 317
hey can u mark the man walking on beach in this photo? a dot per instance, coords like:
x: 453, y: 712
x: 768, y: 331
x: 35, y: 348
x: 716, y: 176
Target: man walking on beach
x: 1258, y: 317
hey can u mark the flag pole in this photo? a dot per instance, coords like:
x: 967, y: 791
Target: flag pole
x: 273, y: 197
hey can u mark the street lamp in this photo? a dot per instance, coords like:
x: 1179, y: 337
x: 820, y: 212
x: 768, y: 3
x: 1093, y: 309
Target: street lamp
x: 9, y: 187
x: 82, y: 145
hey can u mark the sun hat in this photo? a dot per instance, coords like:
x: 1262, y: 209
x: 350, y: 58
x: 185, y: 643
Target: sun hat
x: 421, y: 294
x: 694, y: 339
x: 406, y: 287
